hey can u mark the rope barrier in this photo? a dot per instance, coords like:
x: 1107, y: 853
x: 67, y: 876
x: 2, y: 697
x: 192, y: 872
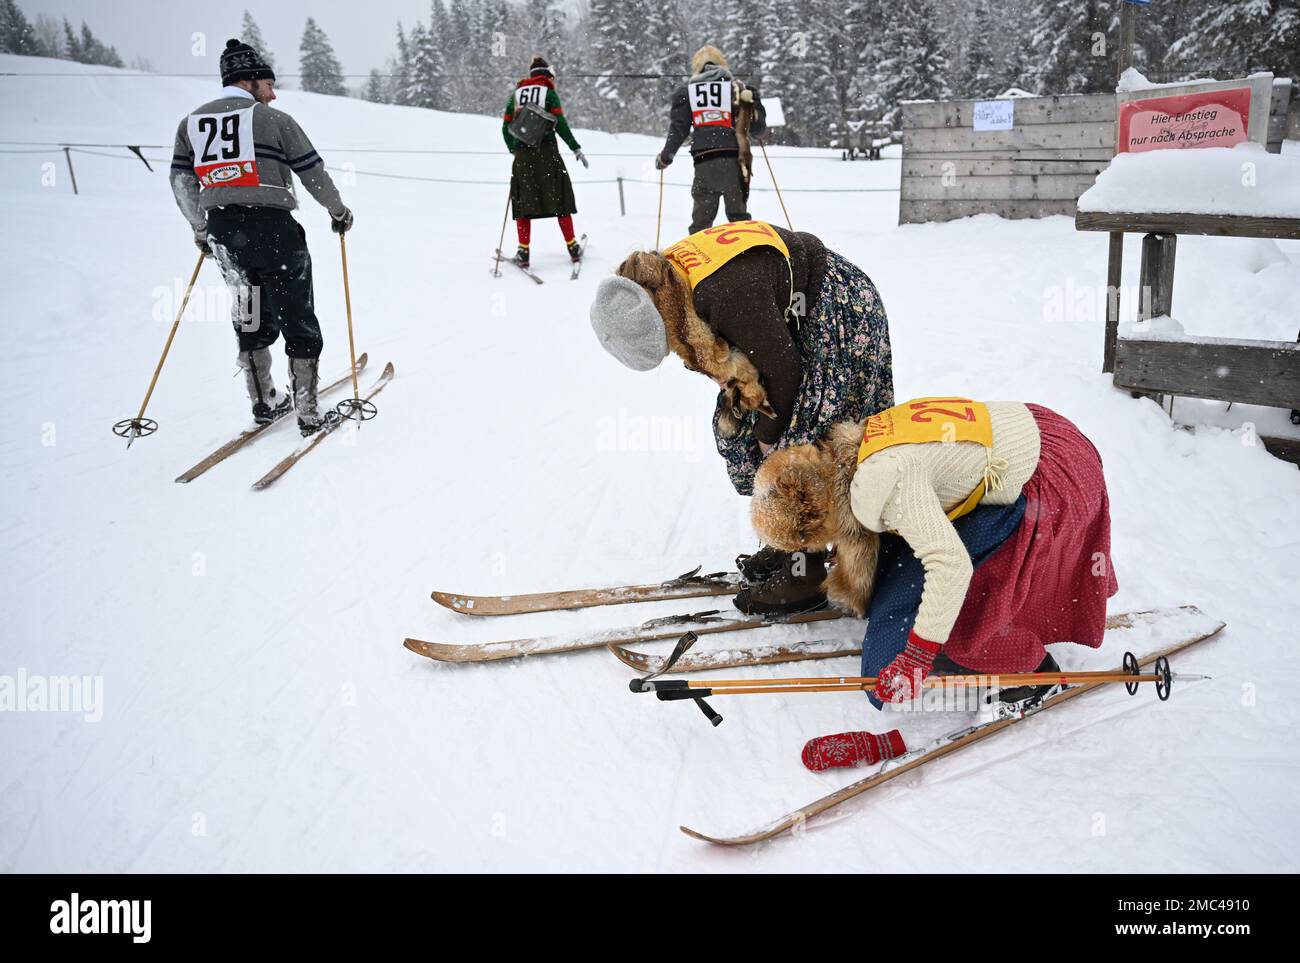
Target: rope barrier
x: 165, y: 161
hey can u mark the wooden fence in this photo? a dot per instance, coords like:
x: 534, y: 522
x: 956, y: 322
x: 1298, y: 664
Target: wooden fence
x: 1052, y: 154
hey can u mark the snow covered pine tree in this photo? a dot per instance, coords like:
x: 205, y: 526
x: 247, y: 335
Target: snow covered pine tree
x: 539, y: 181
x: 230, y: 174
x: 706, y: 107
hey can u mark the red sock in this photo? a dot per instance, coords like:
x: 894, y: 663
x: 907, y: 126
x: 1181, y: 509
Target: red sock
x: 566, y: 227
x: 852, y: 749
x: 525, y: 228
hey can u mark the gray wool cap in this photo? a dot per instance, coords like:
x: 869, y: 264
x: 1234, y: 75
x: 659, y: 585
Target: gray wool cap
x: 627, y: 323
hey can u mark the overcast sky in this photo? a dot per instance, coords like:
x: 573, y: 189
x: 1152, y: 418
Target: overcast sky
x: 362, y: 31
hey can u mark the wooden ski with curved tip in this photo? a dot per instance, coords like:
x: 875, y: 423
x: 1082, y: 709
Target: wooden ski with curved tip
x: 245, y: 437
x: 673, y: 627
x: 690, y: 585
x: 1205, y: 628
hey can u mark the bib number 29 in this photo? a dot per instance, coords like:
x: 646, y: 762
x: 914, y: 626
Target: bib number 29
x: 229, y: 131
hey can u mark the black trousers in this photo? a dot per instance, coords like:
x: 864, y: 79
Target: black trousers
x: 717, y: 177
x: 263, y: 256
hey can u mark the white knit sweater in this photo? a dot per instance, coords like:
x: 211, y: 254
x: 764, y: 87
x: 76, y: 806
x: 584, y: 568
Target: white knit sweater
x: 909, y: 488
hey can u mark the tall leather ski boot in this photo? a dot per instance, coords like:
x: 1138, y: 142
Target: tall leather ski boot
x: 304, y: 376
x: 269, y: 403
x: 782, y: 582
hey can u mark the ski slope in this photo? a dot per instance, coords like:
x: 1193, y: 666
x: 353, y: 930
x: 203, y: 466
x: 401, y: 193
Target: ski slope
x: 259, y: 712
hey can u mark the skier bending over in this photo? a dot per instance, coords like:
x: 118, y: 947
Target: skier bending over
x: 794, y: 334
x: 970, y: 534
x: 539, y: 181
x: 231, y: 178
x: 716, y: 112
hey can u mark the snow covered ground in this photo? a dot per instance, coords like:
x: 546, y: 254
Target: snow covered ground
x: 258, y: 709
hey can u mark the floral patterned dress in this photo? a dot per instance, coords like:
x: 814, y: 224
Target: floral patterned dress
x: 847, y: 370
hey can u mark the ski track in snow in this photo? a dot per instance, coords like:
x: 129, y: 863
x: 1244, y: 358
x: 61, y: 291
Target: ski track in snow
x: 260, y: 712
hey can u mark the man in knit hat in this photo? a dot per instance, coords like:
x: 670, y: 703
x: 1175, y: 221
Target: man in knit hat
x: 232, y: 177
x: 713, y: 109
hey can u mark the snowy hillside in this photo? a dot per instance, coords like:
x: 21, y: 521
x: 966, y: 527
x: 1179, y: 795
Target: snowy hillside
x: 259, y: 711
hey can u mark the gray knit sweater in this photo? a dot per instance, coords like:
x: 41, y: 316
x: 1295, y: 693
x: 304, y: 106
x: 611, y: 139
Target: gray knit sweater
x: 233, y: 150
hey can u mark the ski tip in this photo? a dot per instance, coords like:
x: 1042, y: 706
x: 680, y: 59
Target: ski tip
x: 389, y: 370
x: 464, y: 604
x: 633, y: 660
x: 438, y: 651
x: 716, y: 840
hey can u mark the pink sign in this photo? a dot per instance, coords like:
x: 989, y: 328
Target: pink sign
x: 1217, y: 118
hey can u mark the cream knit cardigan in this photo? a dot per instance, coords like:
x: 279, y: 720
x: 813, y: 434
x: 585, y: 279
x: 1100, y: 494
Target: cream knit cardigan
x: 909, y: 488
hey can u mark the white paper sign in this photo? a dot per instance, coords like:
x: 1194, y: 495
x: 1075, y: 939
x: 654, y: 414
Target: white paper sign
x: 775, y: 115
x: 995, y: 114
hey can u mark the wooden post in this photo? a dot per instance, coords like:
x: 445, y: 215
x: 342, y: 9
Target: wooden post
x: 622, y: 207
x: 1115, y: 262
x: 1127, y: 25
x: 1114, y: 276
x: 1157, y: 297
x: 67, y: 153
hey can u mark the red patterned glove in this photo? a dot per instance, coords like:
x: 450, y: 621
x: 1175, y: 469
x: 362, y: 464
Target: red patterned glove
x: 900, y: 681
x: 852, y: 749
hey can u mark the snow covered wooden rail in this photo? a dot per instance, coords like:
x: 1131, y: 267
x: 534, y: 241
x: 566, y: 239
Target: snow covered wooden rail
x: 1246, y: 371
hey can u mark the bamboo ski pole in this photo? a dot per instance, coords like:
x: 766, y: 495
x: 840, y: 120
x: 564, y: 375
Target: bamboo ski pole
x: 354, y: 407
x: 347, y: 303
x: 660, y: 219
x: 133, y: 428
x: 505, y: 218
x: 763, y: 148
x: 931, y: 682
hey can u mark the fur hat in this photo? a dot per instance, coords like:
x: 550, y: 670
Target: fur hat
x: 692, y: 340
x: 239, y: 61
x: 540, y: 68
x: 628, y: 325
x: 802, y: 501
x: 708, y: 54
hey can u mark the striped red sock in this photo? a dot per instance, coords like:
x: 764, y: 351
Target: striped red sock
x: 852, y: 749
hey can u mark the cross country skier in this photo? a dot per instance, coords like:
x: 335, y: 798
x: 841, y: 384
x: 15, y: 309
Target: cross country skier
x: 707, y: 107
x: 794, y: 334
x: 231, y: 178
x: 539, y: 181
x: 971, y: 535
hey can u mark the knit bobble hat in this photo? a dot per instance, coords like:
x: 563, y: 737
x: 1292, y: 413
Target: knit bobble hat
x: 540, y: 67
x: 628, y: 324
x: 239, y: 61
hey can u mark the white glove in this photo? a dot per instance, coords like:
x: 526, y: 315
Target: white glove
x: 581, y: 158
x: 746, y: 95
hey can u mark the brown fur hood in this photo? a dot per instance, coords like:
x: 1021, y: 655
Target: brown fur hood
x: 708, y: 54
x: 802, y: 501
x: 692, y: 340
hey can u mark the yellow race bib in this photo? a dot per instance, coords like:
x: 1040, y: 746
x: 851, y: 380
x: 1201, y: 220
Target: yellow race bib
x: 701, y: 254
x: 931, y: 419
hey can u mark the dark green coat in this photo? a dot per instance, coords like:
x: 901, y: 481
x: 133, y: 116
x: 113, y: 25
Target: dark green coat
x: 539, y: 181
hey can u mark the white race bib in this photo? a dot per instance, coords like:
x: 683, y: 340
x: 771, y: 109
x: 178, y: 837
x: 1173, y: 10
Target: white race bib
x: 710, y: 103
x: 223, y: 149
x: 534, y: 94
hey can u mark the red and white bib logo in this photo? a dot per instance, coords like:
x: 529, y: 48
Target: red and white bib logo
x: 223, y: 149
x: 710, y: 103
